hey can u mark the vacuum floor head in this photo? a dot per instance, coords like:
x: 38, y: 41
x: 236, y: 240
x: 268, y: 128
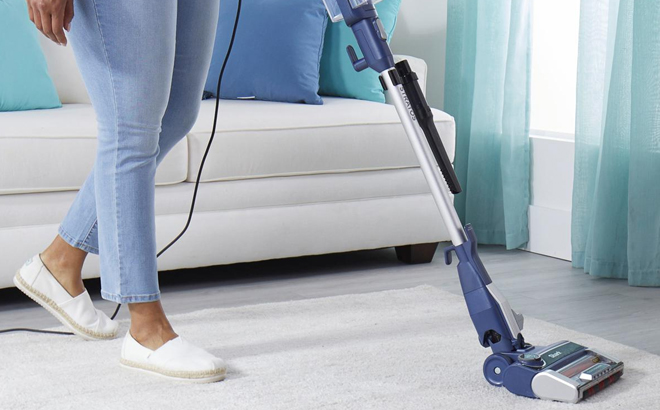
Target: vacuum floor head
x: 564, y: 371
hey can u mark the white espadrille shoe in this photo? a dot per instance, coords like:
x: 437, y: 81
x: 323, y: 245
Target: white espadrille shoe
x: 77, y: 313
x: 177, y: 359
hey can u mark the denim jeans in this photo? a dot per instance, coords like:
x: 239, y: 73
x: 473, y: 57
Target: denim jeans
x: 144, y: 64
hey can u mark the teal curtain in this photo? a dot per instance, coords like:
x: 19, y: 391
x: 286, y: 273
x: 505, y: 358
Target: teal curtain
x: 487, y: 83
x: 616, y: 190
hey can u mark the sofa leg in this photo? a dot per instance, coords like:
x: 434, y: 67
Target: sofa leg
x: 418, y: 253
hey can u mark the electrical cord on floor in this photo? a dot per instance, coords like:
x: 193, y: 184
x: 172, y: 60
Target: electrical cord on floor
x: 199, y: 175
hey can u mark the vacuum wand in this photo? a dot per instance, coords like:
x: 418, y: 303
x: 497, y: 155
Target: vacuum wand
x: 563, y: 371
x: 498, y: 326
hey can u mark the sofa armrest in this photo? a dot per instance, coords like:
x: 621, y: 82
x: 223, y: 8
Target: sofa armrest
x: 418, y: 66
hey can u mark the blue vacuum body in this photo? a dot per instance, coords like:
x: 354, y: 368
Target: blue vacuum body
x: 564, y: 371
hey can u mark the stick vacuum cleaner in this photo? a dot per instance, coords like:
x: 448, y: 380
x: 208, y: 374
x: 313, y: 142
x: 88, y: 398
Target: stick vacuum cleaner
x: 563, y: 371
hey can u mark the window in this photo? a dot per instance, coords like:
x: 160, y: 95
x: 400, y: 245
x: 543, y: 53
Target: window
x: 554, y: 68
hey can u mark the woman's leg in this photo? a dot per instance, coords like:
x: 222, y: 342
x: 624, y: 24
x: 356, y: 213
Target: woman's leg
x: 125, y: 51
x: 78, y: 232
x: 196, y: 23
x: 195, y: 35
x: 193, y: 53
x: 65, y: 262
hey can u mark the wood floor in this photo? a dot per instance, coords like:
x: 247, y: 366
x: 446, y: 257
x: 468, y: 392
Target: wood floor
x: 537, y: 286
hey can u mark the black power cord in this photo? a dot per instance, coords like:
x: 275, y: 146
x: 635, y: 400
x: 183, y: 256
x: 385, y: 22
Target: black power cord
x: 199, y: 175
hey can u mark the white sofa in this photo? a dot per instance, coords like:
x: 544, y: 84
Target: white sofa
x: 281, y: 180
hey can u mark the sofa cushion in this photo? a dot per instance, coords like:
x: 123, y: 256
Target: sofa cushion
x: 54, y: 150
x: 256, y: 139
x: 44, y: 208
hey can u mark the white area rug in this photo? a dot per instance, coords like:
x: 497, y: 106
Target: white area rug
x: 406, y: 349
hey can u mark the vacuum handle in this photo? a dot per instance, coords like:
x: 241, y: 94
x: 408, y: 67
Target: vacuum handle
x: 410, y: 82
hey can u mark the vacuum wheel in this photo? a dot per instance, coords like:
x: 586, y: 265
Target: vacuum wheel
x: 494, y: 367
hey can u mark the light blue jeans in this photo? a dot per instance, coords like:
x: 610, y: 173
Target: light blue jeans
x: 144, y: 64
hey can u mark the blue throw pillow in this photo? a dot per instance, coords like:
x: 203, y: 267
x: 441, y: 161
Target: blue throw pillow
x: 24, y: 80
x: 276, y: 54
x: 338, y: 77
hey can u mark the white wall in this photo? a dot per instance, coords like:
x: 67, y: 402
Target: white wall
x: 421, y: 31
x: 552, y: 191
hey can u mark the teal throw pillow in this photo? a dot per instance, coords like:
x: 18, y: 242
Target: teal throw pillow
x: 24, y: 80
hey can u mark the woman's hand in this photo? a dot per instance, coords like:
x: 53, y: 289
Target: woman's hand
x: 51, y: 17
